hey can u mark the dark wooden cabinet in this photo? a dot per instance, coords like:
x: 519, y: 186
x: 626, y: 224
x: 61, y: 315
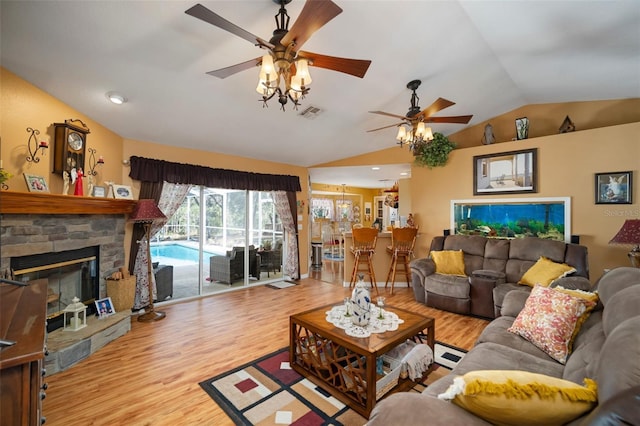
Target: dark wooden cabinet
x: 22, y: 320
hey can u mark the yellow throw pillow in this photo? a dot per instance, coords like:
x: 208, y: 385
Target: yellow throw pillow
x: 449, y: 262
x: 545, y: 271
x: 511, y: 397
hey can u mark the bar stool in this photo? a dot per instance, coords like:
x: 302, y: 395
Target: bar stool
x: 364, y: 246
x: 401, y: 249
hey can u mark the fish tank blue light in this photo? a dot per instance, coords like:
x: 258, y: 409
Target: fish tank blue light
x: 546, y: 218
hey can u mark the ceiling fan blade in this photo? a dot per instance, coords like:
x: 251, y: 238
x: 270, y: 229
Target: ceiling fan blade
x: 314, y: 15
x: 355, y: 67
x: 460, y: 119
x: 385, y: 127
x: 438, y: 105
x: 401, y: 117
x: 201, y: 12
x: 228, y: 71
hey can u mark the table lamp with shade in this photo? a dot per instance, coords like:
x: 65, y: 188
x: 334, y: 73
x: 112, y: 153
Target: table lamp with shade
x: 629, y: 234
x: 145, y: 212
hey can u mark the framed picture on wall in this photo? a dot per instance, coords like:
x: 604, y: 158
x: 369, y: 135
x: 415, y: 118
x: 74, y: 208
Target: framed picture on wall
x: 512, y: 172
x: 614, y: 188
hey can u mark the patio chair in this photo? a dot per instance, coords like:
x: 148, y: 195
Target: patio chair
x: 230, y: 268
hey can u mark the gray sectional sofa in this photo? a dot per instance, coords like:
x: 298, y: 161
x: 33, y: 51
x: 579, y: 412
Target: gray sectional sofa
x: 606, y: 349
x: 493, y: 267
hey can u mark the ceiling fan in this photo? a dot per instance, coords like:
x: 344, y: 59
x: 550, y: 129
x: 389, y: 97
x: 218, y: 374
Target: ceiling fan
x: 417, y: 118
x: 284, y: 60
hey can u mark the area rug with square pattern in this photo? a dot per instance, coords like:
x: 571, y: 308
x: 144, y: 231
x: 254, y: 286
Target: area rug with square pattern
x: 268, y: 391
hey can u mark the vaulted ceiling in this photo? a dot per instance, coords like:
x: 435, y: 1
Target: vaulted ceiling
x: 489, y: 57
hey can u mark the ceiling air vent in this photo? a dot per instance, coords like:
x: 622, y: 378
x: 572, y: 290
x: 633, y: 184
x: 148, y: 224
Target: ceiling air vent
x: 310, y: 112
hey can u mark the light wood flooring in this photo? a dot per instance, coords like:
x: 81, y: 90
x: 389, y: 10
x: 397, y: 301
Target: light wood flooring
x: 150, y: 376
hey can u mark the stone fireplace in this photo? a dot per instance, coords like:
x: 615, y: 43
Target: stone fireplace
x: 45, y: 229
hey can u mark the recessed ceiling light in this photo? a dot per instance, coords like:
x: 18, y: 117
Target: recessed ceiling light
x: 375, y: 168
x: 116, y: 98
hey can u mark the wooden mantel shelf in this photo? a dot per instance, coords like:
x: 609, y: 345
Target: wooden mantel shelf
x: 38, y: 203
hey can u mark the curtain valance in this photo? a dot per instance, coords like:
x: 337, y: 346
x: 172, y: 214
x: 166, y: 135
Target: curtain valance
x: 152, y: 170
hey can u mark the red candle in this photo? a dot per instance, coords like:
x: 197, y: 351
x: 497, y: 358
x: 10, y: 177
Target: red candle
x: 44, y: 144
x: 100, y: 160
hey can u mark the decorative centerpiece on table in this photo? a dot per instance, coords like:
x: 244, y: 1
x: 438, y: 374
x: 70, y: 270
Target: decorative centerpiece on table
x: 360, y: 303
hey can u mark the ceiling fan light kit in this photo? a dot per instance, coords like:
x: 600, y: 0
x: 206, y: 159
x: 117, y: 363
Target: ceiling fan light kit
x: 413, y: 130
x: 284, y: 70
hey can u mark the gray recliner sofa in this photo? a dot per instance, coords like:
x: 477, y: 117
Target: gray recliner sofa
x: 493, y: 267
x: 606, y: 350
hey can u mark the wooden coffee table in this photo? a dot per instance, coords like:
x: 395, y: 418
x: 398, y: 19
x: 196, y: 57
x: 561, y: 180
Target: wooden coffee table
x: 345, y: 366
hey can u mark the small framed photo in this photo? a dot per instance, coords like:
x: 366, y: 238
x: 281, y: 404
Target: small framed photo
x: 122, y: 192
x: 104, y: 307
x: 614, y: 188
x: 36, y: 183
x: 99, y: 191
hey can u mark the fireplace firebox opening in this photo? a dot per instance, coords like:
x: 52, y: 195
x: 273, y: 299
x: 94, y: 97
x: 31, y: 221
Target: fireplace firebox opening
x: 71, y: 273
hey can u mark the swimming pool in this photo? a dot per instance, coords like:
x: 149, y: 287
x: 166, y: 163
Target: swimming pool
x: 178, y: 252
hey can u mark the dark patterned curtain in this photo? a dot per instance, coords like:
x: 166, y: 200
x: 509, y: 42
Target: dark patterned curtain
x: 150, y: 170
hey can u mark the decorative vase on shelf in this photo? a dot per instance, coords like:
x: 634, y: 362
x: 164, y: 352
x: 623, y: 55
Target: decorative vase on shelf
x: 360, y: 303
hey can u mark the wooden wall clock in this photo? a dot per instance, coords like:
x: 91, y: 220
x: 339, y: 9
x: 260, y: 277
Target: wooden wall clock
x: 70, y: 146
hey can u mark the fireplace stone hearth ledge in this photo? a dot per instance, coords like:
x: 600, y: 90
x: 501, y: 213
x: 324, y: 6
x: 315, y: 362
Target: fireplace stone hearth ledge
x: 66, y: 348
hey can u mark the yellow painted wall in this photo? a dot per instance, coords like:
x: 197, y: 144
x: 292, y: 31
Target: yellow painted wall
x: 24, y: 105
x: 566, y: 167
x: 546, y: 119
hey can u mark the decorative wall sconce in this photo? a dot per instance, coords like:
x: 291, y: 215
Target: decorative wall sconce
x: 92, y: 168
x: 93, y: 163
x: 33, y: 145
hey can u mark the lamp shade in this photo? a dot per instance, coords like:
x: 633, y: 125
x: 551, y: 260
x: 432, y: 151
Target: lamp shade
x: 146, y: 211
x: 628, y: 234
x: 302, y: 72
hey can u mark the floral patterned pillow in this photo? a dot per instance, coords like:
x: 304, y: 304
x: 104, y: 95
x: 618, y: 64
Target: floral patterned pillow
x: 548, y: 320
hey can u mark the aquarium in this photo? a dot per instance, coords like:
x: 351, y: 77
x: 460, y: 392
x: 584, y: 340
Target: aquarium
x: 547, y: 218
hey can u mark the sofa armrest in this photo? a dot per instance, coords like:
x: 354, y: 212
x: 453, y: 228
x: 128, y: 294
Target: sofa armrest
x: 621, y: 409
x: 423, y: 267
x: 514, y: 302
x: 408, y: 408
x: 573, y: 283
x: 420, y: 268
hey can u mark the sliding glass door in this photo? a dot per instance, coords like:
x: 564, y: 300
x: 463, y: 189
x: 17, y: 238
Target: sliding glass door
x: 236, y: 240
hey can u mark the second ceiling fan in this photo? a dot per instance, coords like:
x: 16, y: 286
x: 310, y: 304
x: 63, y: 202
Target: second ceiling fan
x: 284, y: 60
x: 417, y: 118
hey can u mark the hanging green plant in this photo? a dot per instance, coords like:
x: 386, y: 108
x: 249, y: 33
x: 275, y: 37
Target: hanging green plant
x: 435, y: 153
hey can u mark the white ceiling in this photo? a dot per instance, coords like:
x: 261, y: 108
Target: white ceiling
x: 489, y: 57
